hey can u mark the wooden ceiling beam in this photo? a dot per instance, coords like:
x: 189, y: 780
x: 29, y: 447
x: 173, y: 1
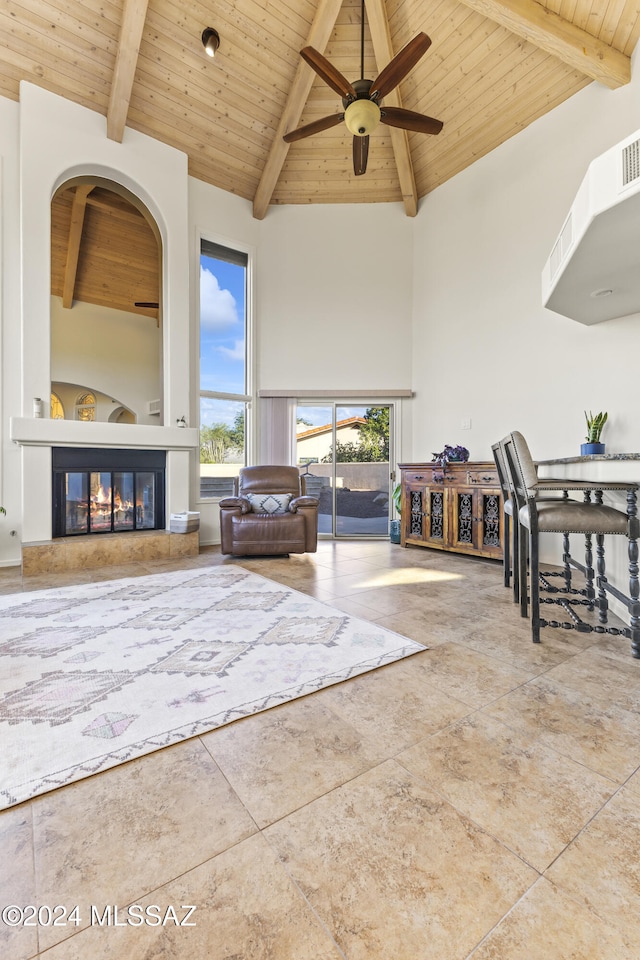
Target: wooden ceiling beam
x: 321, y: 28
x: 383, y: 50
x: 132, y: 215
x: 73, y: 247
x: 557, y: 36
x: 133, y: 18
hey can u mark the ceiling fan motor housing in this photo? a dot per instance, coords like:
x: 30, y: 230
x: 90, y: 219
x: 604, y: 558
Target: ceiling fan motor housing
x: 362, y: 115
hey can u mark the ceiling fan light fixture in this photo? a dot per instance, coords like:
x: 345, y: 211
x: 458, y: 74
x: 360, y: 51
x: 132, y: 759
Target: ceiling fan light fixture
x: 362, y: 117
x: 210, y: 41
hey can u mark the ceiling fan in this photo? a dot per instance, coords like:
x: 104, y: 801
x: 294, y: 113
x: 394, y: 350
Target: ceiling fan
x: 362, y: 99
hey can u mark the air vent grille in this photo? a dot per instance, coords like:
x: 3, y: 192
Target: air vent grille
x: 631, y: 163
x: 561, y: 247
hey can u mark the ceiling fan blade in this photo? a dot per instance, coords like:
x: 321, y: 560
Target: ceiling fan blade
x: 327, y: 72
x: 397, y: 69
x: 316, y: 127
x: 360, y: 155
x: 408, y: 120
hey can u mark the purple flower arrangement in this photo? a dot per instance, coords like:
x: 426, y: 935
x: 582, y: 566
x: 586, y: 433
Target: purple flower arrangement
x: 451, y: 455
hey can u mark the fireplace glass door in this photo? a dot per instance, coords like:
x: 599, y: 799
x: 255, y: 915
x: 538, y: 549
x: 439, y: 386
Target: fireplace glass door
x: 102, y: 500
x: 109, y: 502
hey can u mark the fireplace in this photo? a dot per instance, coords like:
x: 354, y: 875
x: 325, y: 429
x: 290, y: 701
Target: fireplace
x: 107, y: 491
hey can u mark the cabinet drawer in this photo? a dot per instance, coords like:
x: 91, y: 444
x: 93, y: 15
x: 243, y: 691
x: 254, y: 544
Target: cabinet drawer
x: 418, y: 476
x: 482, y: 478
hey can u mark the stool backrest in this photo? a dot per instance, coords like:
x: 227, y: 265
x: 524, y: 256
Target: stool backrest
x: 501, y: 467
x: 525, y: 463
x: 518, y: 485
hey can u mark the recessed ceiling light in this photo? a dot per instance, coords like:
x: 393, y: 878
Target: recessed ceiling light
x: 210, y: 41
x: 604, y: 292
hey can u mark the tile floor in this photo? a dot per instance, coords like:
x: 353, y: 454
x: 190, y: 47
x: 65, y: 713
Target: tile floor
x: 478, y: 800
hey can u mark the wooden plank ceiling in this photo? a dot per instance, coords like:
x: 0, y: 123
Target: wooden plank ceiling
x: 493, y: 67
x: 103, y: 251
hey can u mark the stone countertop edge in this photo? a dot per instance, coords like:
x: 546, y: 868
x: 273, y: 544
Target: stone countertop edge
x: 590, y: 459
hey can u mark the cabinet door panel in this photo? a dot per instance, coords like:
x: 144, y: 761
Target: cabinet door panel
x: 415, y: 514
x: 436, y: 518
x: 464, y: 519
x: 490, y: 522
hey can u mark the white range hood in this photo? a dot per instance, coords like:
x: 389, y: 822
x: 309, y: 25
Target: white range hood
x: 593, y: 271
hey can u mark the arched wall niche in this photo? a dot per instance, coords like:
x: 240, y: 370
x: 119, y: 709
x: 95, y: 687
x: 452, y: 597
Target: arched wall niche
x: 118, y: 183
x: 155, y: 173
x: 107, y: 291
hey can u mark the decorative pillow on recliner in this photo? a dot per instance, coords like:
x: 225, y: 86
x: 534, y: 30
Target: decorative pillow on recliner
x: 269, y: 502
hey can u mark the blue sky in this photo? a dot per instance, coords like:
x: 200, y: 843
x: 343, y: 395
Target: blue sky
x: 222, y: 337
x: 222, y: 326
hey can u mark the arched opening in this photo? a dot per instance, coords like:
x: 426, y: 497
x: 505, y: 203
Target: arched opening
x: 57, y: 407
x: 122, y: 415
x: 106, y: 302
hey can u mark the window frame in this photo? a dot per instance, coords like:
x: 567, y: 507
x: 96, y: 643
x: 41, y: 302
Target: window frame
x: 82, y: 403
x: 247, y: 398
x: 53, y: 401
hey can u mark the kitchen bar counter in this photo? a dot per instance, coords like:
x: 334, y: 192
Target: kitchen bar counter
x: 606, y: 466
x: 594, y: 458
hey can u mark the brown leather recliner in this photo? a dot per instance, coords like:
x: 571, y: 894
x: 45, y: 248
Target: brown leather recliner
x: 292, y: 529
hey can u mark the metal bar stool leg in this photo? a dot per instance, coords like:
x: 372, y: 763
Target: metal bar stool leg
x: 534, y: 574
x: 523, y: 563
x: 603, y: 602
x: 516, y: 558
x: 634, y: 582
x: 506, y: 551
x: 589, y: 572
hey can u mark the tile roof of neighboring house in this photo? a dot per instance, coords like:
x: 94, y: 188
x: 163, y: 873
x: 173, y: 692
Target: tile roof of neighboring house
x: 326, y: 428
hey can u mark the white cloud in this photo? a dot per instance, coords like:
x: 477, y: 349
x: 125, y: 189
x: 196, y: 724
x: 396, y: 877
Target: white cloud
x: 218, y: 308
x: 233, y: 353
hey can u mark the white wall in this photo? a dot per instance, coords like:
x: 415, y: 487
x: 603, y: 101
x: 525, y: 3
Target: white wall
x: 113, y: 351
x: 483, y: 345
x: 335, y: 299
x: 10, y: 479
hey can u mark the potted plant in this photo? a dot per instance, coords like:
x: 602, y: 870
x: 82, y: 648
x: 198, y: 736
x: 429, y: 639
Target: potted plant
x: 595, y: 423
x: 394, y: 525
x: 450, y: 454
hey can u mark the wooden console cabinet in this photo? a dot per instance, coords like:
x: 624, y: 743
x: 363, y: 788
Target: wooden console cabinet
x: 457, y: 507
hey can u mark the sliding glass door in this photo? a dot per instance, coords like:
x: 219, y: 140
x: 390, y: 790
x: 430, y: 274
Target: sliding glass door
x: 345, y: 452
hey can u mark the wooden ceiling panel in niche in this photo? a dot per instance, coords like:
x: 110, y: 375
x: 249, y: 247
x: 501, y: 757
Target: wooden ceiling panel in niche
x: 103, y: 251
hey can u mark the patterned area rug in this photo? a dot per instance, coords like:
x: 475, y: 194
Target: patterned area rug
x: 97, y: 674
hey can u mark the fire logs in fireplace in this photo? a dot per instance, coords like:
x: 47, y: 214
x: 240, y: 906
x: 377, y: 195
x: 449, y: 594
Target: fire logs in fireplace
x: 107, y: 491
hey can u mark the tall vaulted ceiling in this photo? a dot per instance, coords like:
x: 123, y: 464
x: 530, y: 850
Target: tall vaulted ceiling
x: 493, y: 67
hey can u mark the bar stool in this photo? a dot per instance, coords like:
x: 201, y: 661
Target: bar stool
x: 510, y: 561
x: 513, y: 541
x: 589, y: 518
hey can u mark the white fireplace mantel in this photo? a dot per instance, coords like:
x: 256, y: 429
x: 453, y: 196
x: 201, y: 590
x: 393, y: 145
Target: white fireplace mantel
x: 37, y: 437
x: 30, y: 431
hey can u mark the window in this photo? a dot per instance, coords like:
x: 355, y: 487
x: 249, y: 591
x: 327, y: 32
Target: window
x: 224, y: 370
x: 57, y: 410
x: 86, y: 407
